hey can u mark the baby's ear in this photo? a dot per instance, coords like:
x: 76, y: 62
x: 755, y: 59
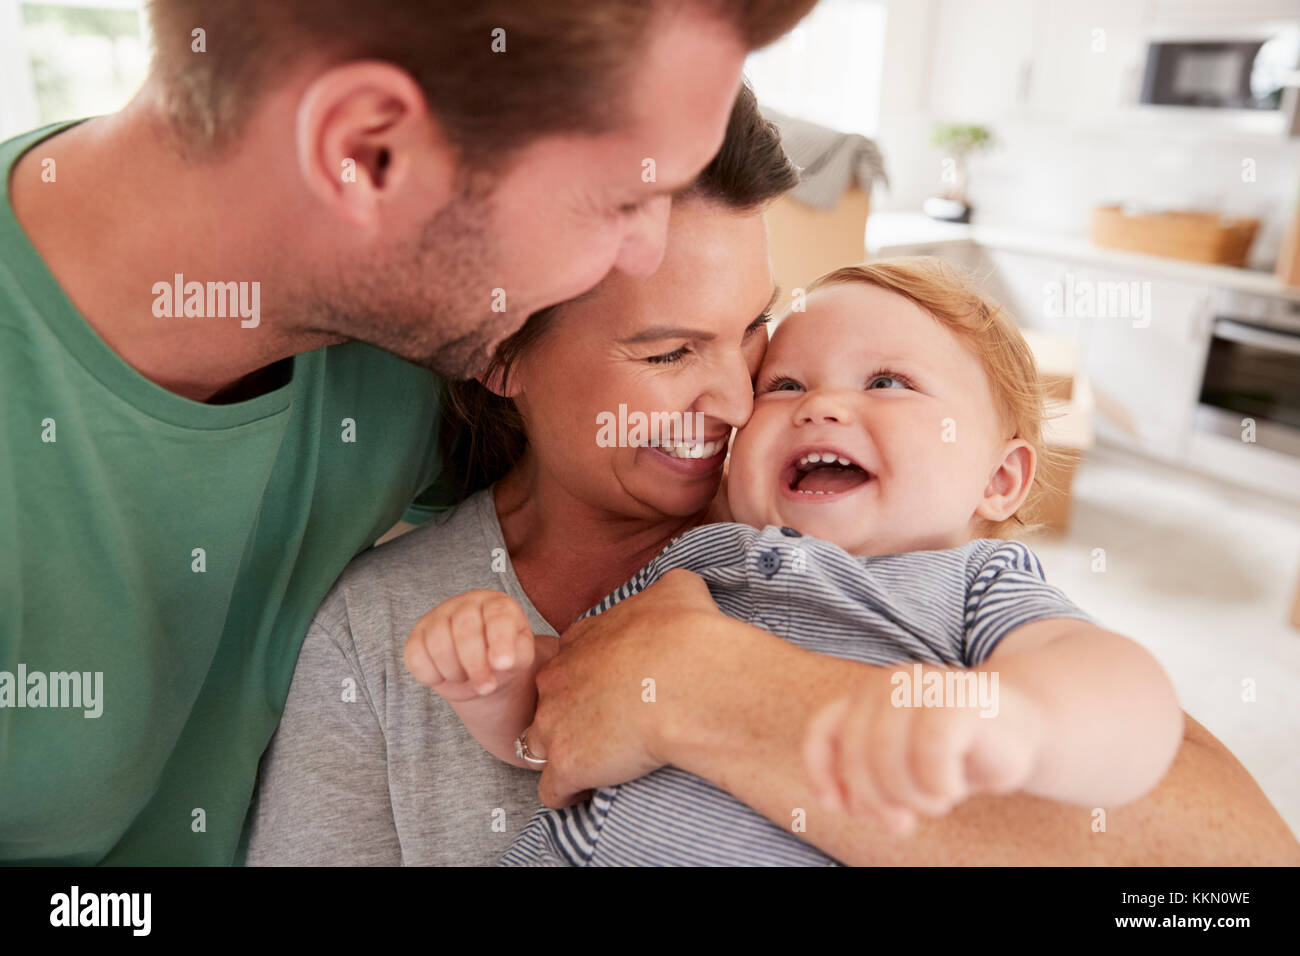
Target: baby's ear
x: 1010, y: 482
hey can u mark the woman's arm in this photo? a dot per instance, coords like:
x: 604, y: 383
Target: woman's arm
x: 732, y: 703
x: 322, y: 796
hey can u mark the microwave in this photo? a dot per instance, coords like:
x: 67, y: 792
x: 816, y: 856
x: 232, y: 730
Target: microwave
x: 1242, y: 69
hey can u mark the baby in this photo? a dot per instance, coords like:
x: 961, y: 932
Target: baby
x: 895, y: 437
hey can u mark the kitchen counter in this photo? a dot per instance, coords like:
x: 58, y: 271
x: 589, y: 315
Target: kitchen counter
x: 890, y: 233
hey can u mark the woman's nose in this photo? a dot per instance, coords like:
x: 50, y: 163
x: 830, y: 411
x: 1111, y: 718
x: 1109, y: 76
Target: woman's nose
x: 820, y: 407
x: 731, y: 396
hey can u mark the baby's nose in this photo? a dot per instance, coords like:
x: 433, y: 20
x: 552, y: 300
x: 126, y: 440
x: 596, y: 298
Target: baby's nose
x: 818, y: 407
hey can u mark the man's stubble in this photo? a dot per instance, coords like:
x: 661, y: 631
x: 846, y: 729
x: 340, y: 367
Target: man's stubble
x: 430, y: 301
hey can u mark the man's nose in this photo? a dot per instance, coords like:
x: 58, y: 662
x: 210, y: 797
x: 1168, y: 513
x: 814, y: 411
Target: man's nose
x: 820, y: 407
x: 643, y: 244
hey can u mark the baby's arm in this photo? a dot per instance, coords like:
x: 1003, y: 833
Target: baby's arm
x: 479, y: 652
x: 1082, y: 715
x: 1111, y: 720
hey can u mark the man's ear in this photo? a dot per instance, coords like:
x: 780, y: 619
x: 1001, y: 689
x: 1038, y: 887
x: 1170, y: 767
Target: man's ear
x: 1010, y: 482
x: 368, y: 145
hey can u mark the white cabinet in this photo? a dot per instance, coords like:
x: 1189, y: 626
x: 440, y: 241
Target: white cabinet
x: 1146, y: 362
x: 1141, y: 341
x: 1087, y: 58
x: 983, y: 53
x: 1034, y: 288
x: 1048, y: 59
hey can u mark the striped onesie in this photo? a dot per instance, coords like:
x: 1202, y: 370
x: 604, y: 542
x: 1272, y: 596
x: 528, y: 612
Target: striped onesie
x: 941, y: 607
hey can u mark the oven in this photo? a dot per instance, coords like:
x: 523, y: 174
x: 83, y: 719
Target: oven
x: 1251, y: 384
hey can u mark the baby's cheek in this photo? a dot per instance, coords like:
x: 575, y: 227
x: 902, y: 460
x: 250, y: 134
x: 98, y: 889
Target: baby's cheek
x: 744, y: 483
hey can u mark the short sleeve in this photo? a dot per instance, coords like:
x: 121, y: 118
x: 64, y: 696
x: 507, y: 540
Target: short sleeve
x: 323, y: 795
x: 1008, y: 590
x: 437, y: 497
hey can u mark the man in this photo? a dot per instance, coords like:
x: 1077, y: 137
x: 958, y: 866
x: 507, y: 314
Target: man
x: 195, y: 440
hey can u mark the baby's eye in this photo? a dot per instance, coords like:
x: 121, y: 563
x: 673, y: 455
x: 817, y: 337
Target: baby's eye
x: 669, y: 358
x: 782, y: 385
x: 887, y: 380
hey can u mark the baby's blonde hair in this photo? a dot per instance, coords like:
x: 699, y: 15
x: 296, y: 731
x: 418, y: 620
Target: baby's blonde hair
x: 952, y: 299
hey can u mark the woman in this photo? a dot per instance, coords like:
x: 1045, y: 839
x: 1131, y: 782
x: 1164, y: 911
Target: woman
x: 369, y: 766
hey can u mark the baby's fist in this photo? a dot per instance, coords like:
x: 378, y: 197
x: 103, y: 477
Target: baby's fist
x: 471, y: 645
x: 870, y: 757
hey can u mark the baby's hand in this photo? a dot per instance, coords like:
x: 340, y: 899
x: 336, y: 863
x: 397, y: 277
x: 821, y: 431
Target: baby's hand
x: 472, y: 645
x: 869, y: 757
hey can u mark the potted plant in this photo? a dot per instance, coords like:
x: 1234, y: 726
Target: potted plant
x: 959, y: 142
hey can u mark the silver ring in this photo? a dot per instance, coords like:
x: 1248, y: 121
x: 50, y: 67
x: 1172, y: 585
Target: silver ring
x: 523, y: 753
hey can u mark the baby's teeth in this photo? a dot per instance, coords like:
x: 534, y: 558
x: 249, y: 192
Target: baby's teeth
x: 843, y: 461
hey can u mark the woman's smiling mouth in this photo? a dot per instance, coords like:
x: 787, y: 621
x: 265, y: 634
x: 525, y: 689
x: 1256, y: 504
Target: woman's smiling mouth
x: 699, y: 449
x: 692, y: 458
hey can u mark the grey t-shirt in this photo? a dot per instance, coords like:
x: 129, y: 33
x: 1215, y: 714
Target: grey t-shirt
x: 370, y: 767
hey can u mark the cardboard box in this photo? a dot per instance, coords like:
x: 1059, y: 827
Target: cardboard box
x: 1067, y: 431
x: 806, y: 242
x: 1057, y: 359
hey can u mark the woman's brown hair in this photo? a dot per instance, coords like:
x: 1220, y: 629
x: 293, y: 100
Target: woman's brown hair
x: 482, y: 434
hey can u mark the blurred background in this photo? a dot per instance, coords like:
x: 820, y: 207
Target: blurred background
x: 1120, y: 174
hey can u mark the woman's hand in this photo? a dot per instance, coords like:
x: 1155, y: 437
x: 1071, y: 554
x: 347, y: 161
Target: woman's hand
x: 608, y: 700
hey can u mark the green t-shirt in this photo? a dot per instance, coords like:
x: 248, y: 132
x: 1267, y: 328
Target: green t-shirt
x: 179, y: 550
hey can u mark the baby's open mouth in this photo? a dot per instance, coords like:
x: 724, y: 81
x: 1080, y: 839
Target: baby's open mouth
x: 823, y: 472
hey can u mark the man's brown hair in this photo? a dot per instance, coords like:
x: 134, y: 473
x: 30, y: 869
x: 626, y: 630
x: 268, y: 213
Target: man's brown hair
x: 565, y: 66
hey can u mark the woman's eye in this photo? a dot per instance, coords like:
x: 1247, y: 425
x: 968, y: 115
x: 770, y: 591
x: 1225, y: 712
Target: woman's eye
x: 887, y: 380
x: 758, y: 323
x: 669, y: 358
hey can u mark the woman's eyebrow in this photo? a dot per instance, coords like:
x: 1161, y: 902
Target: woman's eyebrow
x: 657, y: 333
